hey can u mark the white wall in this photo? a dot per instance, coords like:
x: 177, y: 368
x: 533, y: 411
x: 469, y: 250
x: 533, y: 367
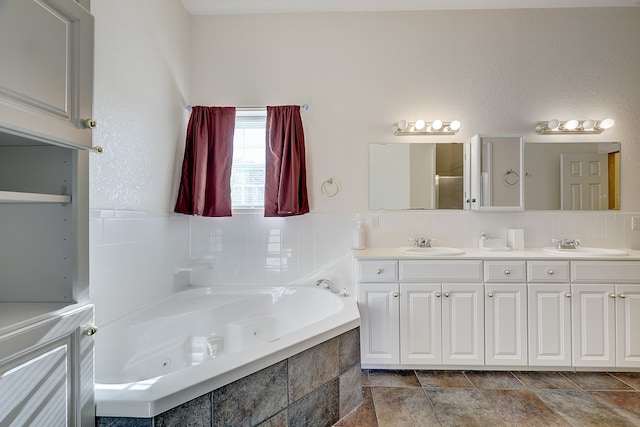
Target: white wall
x: 496, y: 71
x: 141, y: 57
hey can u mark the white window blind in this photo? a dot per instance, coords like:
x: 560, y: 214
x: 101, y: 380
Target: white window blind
x: 249, y: 151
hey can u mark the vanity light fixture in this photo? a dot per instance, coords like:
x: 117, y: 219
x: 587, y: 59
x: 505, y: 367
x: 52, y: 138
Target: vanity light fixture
x: 573, y: 127
x: 420, y: 127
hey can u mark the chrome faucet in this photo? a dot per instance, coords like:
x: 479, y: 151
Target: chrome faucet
x: 421, y: 242
x: 566, y: 243
x: 328, y: 284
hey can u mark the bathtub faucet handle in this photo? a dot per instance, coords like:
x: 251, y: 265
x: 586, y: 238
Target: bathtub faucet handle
x: 328, y: 284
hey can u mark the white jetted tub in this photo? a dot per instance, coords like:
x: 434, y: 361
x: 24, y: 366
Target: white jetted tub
x: 195, y: 341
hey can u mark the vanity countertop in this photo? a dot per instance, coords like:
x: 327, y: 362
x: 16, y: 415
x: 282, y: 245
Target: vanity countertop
x: 476, y: 253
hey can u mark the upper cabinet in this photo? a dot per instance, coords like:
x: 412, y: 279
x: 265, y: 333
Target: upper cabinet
x: 496, y: 170
x: 46, y: 78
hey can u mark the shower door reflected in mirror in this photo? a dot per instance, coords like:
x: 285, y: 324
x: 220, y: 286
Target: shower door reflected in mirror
x: 416, y: 176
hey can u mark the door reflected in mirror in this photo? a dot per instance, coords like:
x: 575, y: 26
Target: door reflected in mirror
x: 416, y: 176
x: 572, y: 176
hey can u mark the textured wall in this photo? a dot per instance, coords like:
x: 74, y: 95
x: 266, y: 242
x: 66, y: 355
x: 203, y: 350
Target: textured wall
x: 497, y: 71
x: 141, y: 50
x: 140, y: 88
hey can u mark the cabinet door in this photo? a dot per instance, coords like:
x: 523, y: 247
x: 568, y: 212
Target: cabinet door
x: 379, y: 330
x: 46, y: 80
x: 593, y: 327
x: 506, y: 324
x: 462, y: 324
x: 549, y: 324
x: 627, y: 321
x: 46, y: 373
x: 420, y: 324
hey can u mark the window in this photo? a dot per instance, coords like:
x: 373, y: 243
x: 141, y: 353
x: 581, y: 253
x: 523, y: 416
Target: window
x: 249, y: 151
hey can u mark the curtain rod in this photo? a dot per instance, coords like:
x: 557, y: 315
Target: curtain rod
x: 305, y: 107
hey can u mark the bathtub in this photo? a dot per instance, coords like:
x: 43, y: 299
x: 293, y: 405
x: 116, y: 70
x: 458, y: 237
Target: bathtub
x: 198, y: 340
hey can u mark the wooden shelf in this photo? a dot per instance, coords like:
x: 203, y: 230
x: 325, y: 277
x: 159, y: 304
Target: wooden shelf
x: 18, y: 197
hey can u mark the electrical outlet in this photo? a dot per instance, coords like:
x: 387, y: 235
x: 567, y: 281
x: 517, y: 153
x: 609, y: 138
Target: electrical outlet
x: 374, y: 221
x: 635, y: 223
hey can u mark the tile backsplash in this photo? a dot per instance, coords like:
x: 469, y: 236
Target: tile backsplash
x: 138, y: 257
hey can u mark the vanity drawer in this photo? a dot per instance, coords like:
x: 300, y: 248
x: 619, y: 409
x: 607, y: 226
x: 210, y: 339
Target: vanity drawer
x: 378, y: 271
x: 505, y: 271
x: 441, y: 271
x: 605, y: 271
x: 548, y: 271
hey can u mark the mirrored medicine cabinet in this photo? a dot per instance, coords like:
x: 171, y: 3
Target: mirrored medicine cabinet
x: 495, y: 173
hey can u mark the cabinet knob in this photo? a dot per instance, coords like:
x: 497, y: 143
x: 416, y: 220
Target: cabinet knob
x: 446, y: 294
x: 379, y: 271
x: 623, y: 296
x: 90, y: 123
x: 612, y: 295
x: 90, y: 330
x: 507, y: 272
x: 438, y: 294
x: 490, y: 294
x: 395, y: 294
x: 568, y: 295
x: 551, y: 272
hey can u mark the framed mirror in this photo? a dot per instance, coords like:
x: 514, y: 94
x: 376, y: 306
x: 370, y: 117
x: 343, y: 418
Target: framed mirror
x: 416, y: 176
x: 572, y: 176
x: 496, y: 172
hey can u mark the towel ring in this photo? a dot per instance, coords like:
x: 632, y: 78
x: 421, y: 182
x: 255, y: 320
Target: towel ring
x: 330, y: 187
x: 511, y: 177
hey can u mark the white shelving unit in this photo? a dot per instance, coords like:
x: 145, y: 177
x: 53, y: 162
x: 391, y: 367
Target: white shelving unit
x: 46, y: 338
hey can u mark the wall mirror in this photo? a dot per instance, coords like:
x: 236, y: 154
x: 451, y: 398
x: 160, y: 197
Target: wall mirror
x: 572, y: 176
x: 416, y: 176
x: 496, y: 172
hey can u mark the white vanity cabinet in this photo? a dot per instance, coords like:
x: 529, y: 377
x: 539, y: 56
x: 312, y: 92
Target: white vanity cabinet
x: 505, y: 313
x: 432, y: 314
x: 549, y: 303
x: 46, y: 79
x: 379, y: 304
x: 530, y: 312
x: 449, y: 324
x: 606, y: 313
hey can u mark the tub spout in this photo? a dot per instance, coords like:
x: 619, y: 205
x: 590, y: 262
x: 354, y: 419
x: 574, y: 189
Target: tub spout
x: 328, y: 284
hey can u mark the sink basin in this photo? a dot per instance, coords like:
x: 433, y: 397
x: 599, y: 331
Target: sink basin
x: 580, y: 251
x: 433, y: 251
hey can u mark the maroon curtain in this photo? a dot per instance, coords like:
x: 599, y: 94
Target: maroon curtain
x: 285, y: 189
x: 205, y: 185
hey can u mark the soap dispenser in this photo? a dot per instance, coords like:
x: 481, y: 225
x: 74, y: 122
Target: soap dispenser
x: 359, y: 235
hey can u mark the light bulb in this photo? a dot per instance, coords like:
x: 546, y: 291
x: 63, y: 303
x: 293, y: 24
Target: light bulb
x: 436, y: 125
x: 420, y: 124
x: 553, y: 124
x: 606, y: 123
x: 588, y: 124
x: 571, y: 124
x: 402, y: 124
x: 454, y: 125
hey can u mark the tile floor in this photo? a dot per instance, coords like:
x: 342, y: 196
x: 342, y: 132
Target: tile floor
x: 480, y: 398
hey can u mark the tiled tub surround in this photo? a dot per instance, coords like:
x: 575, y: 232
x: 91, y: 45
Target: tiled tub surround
x: 315, y: 387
